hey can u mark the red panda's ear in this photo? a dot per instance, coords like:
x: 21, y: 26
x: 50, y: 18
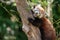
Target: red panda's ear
x: 34, y: 6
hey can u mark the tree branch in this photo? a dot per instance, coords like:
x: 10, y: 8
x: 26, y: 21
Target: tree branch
x: 32, y: 32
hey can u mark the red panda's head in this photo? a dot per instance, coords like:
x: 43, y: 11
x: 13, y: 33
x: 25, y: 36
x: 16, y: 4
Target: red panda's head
x: 38, y: 11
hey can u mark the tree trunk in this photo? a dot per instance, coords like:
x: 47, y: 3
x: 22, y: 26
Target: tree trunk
x: 32, y: 32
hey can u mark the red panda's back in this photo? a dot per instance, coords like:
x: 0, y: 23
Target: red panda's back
x: 47, y: 30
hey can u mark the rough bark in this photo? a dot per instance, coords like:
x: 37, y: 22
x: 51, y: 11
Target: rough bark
x: 31, y: 31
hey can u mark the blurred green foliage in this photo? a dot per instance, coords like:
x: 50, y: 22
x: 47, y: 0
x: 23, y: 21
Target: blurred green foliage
x: 9, y: 19
x: 56, y: 16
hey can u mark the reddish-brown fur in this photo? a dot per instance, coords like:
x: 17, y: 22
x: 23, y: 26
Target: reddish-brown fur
x: 47, y: 30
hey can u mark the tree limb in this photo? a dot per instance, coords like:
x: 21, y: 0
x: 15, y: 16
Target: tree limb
x: 32, y: 32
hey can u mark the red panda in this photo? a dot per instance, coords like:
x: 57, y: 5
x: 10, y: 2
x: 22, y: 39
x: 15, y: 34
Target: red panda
x: 46, y: 28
